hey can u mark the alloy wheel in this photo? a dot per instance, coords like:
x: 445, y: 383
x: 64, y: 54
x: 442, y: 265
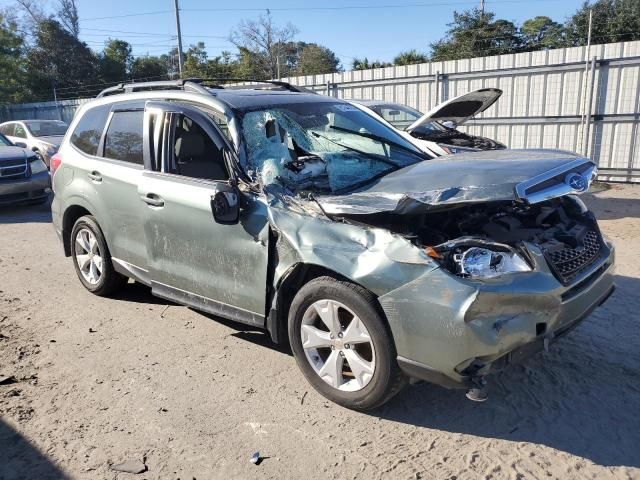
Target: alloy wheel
x: 338, y: 345
x: 88, y: 256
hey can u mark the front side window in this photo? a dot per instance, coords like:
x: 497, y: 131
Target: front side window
x: 86, y: 135
x: 47, y: 128
x: 123, y: 140
x: 324, y: 146
x: 19, y: 131
x: 194, y: 153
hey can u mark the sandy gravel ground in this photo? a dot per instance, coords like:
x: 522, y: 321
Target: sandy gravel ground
x: 99, y: 382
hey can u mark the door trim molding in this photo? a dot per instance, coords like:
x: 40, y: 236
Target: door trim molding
x: 208, y: 305
x: 125, y: 268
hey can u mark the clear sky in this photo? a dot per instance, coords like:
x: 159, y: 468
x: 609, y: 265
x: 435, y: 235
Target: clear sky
x: 377, y: 29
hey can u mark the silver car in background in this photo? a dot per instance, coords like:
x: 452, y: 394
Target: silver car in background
x: 42, y: 137
x: 435, y: 132
x: 24, y: 177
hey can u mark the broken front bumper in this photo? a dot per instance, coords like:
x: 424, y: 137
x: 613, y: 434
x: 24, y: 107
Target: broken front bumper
x: 448, y: 330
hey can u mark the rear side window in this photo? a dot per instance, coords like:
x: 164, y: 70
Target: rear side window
x: 123, y: 140
x: 86, y: 136
x: 7, y: 129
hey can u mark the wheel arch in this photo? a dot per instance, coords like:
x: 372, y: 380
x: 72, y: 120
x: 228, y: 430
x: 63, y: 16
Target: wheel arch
x: 289, y: 284
x: 69, y: 218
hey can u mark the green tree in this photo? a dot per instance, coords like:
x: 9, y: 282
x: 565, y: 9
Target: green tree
x: 11, y: 63
x: 115, y: 61
x: 474, y: 33
x: 410, y: 57
x: 195, y: 61
x: 364, y: 64
x: 152, y: 68
x: 57, y: 58
x: 247, y: 67
x: 613, y: 21
x: 540, y: 33
x: 315, y: 59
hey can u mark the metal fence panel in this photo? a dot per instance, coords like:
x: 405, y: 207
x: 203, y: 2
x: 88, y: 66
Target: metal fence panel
x: 545, y: 97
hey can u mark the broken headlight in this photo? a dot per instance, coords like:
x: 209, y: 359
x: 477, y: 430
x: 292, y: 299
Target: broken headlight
x: 478, y: 262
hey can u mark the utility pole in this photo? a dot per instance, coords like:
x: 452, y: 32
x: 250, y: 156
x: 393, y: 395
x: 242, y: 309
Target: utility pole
x: 482, y: 6
x: 179, y: 38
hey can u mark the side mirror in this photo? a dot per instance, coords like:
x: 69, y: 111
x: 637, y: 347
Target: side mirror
x: 20, y: 144
x: 450, y: 124
x: 225, y: 206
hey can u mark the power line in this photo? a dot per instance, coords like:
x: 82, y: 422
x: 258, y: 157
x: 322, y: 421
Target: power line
x: 304, y: 9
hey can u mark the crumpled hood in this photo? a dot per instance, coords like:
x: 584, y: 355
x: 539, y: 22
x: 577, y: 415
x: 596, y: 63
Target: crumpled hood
x: 11, y: 153
x: 508, y: 175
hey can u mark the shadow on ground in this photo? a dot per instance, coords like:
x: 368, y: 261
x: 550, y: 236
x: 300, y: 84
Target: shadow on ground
x: 610, y: 207
x: 20, y: 459
x: 26, y: 213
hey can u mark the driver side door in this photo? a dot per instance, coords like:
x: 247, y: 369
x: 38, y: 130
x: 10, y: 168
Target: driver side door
x: 195, y: 258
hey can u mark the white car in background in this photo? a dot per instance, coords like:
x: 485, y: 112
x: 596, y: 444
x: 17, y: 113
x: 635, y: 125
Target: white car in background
x: 435, y: 132
x: 42, y: 137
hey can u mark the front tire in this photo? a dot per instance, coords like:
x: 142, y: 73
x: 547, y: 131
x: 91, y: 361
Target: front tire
x: 92, y: 260
x: 342, y: 344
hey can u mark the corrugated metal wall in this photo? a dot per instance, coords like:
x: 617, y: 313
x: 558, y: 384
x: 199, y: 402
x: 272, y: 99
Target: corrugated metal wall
x: 545, y: 95
x: 63, y: 110
x: 544, y: 98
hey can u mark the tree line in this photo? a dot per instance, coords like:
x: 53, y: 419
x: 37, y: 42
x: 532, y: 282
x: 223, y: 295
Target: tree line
x: 41, y: 51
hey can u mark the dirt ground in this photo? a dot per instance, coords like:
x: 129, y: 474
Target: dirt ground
x: 99, y: 381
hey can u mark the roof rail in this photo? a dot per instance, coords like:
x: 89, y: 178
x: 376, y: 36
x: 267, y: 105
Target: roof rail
x: 196, y: 85
x: 192, y: 84
x: 277, y: 83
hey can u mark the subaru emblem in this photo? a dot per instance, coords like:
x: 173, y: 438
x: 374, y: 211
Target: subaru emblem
x: 576, y: 181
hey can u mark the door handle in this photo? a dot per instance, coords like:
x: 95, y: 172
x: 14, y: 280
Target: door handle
x: 152, y: 200
x: 95, y: 176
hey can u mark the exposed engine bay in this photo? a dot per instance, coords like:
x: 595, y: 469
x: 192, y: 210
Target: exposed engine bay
x: 457, y: 138
x: 488, y: 240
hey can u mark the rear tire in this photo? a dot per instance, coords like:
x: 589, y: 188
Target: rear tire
x: 354, y: 363
x: 92, y: 260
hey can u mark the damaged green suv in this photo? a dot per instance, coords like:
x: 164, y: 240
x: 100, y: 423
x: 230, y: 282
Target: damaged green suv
x: 308, y: 217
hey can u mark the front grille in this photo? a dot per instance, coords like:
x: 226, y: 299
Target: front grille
x: 14, y: 169
x: 569, y: 262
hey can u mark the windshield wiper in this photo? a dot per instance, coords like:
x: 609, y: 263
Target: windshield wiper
x: 373, y: 136
x: 366, y: 154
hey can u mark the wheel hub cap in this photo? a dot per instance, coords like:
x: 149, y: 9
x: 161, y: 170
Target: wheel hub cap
x: 338, y: 345
x: 88, y: 256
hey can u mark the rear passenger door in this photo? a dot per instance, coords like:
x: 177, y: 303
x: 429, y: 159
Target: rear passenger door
x: 112, y: 179
x: 219, y: 268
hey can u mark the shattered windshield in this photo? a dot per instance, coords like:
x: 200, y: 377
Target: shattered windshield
x: 322, y: 147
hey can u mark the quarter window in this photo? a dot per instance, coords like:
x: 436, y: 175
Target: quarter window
x: 86, y: 135
x: 123, y: 140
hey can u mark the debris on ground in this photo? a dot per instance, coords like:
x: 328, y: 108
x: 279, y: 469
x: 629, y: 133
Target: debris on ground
x: 130, y: 466
x: 255, y: 458
x: 7, y: 379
